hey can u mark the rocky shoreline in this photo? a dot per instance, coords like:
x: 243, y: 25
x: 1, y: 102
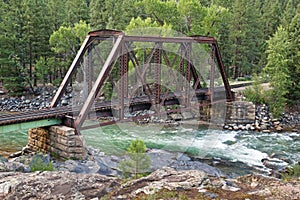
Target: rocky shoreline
x: 98, y: 162
x: 40, y: 100
x: 266, y: 123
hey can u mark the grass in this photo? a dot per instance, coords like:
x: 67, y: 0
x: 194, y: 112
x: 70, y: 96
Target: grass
x: 172, y: 194
x: 38, y: 164
x: 291, y: 172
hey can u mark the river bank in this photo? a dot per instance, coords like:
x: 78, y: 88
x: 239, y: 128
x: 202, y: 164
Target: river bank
x: 172, y: 176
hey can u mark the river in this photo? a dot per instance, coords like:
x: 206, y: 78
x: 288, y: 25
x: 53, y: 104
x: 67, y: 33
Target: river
x: 244, y: 147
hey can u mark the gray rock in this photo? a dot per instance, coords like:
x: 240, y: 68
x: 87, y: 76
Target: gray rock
x: 176, y: 116
x: 16, y: 167
x: 187, y: 115
x: 183, y: 157
x: 55, y: 185
x: 64, y: 102
x: 196, y: 165
x: 248, y: 126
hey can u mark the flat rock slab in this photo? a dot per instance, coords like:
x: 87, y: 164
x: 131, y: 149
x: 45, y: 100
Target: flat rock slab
x: 54, y: 185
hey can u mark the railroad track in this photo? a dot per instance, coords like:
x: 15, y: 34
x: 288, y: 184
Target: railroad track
x: 60, y: 112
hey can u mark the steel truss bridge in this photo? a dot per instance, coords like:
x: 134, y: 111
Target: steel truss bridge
x: 114, y: 74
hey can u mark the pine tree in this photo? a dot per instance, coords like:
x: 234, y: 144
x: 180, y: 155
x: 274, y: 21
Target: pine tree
x: 289, y: 12
x: 98, y: 14
x: 57, y: 14
x: 76, y: 10
x: 13, y: 47
x: 37, y: 32
x: 246, y: 36
x: 223, y: 3
x: 294, y: 65
x: 278, y: 69
x: 138, y: 161
x: 271, y: 15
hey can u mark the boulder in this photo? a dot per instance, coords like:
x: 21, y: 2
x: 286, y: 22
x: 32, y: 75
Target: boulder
x: 176, y: 116
x: 187, y: 115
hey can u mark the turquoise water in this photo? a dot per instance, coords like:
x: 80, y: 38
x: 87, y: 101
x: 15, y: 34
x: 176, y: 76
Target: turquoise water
x: 12, y: 142
x: 246, y: 147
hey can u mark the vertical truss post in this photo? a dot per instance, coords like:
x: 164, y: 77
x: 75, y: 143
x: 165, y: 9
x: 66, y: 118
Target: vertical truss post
x: 212, y: 74
x: 181, y: 68
x: 157, y: 72
x: 188, y: 75
x: 90, y: 70
x: 123, y: 80
x: 125, y: 75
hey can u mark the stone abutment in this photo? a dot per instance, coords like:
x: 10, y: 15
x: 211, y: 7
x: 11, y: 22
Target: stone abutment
x: 60, y: 141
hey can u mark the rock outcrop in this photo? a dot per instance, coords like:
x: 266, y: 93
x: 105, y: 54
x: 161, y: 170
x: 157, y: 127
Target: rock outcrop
x: 191, y: 183
x: 55, y: 185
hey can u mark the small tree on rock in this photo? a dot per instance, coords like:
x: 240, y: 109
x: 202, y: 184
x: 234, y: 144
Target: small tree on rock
x: 137, y: 162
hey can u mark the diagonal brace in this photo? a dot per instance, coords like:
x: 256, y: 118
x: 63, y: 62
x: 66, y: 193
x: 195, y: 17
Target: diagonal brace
x: 99, y: 83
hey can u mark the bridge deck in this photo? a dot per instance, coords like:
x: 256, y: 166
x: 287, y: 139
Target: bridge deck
x: 61, y: 112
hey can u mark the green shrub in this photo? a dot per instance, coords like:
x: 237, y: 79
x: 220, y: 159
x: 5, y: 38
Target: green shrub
x: 259, y: 95
x: 246, y: 78
x: 256, y: 93
x: 40, y: 163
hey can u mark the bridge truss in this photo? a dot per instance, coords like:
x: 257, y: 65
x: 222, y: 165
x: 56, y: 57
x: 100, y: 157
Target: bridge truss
x: 122, y: 71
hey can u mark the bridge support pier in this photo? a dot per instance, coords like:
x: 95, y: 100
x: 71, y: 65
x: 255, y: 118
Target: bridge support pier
x: 59, y: 141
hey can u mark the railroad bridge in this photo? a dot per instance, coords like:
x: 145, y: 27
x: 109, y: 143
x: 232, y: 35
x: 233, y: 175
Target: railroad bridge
x: 114, y: 75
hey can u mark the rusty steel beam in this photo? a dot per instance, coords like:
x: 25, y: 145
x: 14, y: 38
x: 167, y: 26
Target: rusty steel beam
x: 90, y: 69
x: 125, y: 76
x: 181, y: 67
x: 99, y: 83
x: 157, y: 39
x: 70, y: 72
x: 187, y: 73
x: 123, y: 80
x: 105, y: 33
x: 157, y: 72
x: 229, y: 94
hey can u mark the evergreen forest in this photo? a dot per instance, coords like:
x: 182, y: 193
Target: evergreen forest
x: 40, y: 38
